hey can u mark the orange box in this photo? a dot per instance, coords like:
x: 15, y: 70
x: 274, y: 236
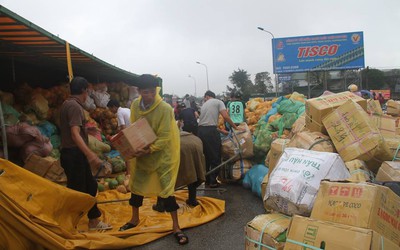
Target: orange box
x: 137, y: 135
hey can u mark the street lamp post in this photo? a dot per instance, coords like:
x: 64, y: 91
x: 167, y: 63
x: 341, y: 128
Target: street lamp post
x: 273, y: 61
x: 208, y: 87
x: 194, y: 79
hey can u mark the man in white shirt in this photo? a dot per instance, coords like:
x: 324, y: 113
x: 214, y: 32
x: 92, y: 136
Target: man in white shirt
x: 123, y: 114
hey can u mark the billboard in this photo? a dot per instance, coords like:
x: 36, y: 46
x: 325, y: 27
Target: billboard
x: 318, y: 52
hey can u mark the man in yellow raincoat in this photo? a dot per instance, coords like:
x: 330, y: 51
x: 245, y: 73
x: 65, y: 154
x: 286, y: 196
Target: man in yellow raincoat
x: 154, y: 169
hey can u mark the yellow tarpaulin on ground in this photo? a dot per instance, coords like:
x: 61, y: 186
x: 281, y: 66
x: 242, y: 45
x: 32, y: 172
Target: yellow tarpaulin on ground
x: 36, y: 213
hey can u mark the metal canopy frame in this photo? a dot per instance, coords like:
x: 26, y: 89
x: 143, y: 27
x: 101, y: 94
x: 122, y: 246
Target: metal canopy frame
x: 24, y: 42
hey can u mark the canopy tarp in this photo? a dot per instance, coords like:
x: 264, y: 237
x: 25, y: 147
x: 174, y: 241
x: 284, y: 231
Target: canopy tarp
x: 38, y: 214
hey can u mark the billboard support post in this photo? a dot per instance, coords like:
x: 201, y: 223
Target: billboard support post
x: 273, y: 60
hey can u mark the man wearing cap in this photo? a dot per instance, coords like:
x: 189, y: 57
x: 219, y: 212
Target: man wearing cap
x: 154, y: 169
x: 209, y: 134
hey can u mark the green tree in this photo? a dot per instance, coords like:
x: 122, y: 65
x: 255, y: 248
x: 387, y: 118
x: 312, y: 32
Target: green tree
x: 349, y: 77
x: 393, y: 78
x: 240, y: 80
x: 262, y: 83
x: 372, y: 78
x: 318, y: 78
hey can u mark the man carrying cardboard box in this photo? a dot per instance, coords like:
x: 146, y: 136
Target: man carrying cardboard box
x: 154, y: 169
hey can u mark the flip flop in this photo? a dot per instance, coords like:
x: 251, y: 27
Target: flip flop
x: 101, y: 226
x: 179, y: 236
x: 127, y: 226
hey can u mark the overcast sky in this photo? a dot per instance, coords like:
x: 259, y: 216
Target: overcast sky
x: 167, y: 37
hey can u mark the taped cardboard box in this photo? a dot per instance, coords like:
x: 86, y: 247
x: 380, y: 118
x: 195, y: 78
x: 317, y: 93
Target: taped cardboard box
x: 293, y: 184
x: 364, y: 205
x: 374, y: 107
x: 264, y: 184
x: 138, y: 135
x: 392, y: 142
x: 236, y: 171
x: 389, y: 171
x: 242, y: 140
x: 393, y: 108
x: 354, y: 135
x: 359, y: 171
x: 47, y: 167
x: 318, y: 108
x: 306, y: 233
x: 277, y: 148
x: 312, y: 141
x: 299, y: 125
x: 266, y: 231
x: 385, y: 123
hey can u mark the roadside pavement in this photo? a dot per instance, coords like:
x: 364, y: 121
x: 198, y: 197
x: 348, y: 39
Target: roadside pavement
x: 225, y: 232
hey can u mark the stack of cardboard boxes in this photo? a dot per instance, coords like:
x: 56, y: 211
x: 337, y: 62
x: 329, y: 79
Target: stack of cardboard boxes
x: 348, y: 214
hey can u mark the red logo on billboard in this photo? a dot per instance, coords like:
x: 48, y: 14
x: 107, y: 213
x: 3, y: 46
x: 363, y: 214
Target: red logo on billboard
x: 279, y: 45
x: 355, y: 38
x: 311, y: 51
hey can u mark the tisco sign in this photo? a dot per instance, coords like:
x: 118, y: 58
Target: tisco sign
x: 323, y: 50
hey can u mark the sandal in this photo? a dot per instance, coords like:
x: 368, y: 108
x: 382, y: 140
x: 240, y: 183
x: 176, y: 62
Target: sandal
x: 127, y: 226
x: 193, y: 203
x: 181, y: 238
x: 101, y: 226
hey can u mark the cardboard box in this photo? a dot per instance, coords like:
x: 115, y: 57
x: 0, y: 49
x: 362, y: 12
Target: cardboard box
x: 393, y: 108
x: 306, y: 233
x: 277, y: 148
x: 389, y: 171
x: 265, y: 230
x: 299, y: 125
x: 392, y: 142
x: 359, y: 171
x: 354, y: 135
x: 364, y: 205
x: 47, y: 167
x: 312, y: 141
x: 138, y: 135
x: 385, y: 123
x: 264, y: 185
x: 374, y: 107
x: 318, y: 108
x: 242, y: 140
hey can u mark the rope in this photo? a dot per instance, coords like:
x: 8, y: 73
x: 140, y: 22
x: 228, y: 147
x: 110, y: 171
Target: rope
x: 265, y: 227
x: 259, y: 243
x: 303, y: 244
x: 319, y: 141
